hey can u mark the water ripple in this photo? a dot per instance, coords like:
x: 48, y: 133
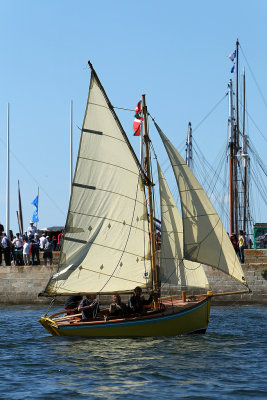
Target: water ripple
x: 229, y: 362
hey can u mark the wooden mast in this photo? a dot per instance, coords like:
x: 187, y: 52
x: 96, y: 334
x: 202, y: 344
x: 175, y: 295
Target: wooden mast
x: 231, y: 158
x: 150, y: 205
x: 245, y: 155
x: 236, y: 149
x: 237, y: 105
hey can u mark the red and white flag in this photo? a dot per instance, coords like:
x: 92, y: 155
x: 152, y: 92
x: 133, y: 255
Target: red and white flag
x: 138, y: 119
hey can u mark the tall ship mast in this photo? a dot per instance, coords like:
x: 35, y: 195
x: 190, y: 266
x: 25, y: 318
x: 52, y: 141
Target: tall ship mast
x: 238, y: 158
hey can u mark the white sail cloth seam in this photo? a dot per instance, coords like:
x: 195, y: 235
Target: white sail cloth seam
x: 181, y: 260
x: 109, y: 219
x: 114, y: 248
x: 113, y: 276
x: 106, y: 163
x: 118, y: 194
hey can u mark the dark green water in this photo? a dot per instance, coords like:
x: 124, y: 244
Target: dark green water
x: 229, y: 362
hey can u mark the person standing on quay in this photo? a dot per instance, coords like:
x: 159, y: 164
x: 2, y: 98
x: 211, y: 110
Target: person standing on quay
x: 59, y: 240
x: 241, y: 242
x: 1, y: 237
x: 48, y: 252
x: 6, y: 249
x: 35, y: 249
x: 54, y: 241
x: 31, y: 230
x: 26, y: 252
x: 1, y: 250
x: 42, y: 242
x: 18, y: 248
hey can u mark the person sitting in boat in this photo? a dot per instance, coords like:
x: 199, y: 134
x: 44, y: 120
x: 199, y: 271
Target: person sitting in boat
x: 117, y: 308
x: 137, y: 302
x: 72, y: 304
x: 89, y: 307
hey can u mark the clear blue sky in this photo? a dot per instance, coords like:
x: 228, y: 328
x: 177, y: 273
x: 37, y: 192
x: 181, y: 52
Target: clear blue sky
x: 174, y: 51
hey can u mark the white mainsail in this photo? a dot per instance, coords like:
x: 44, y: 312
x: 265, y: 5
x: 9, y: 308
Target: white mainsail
x: 174, y: 270
x: 106, y: 244
x: 205, y: 239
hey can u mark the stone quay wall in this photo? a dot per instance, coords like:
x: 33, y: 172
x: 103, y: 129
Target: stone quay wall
x: 254, y: 267
x: 22, y: 284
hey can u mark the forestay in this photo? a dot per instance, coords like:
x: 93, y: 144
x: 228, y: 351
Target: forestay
x: 174, y: 271
x: 205, y: 239
x: 106, y: 244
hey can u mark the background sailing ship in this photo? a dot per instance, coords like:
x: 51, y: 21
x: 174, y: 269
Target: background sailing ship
x: 237, y: 179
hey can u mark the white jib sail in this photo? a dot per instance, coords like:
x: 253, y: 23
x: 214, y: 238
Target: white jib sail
x: 205, y: 239
x: 174, y: 270
x: 106, y: 244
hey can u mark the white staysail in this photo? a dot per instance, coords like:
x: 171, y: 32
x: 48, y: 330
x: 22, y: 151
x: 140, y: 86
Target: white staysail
x: 205, y: 239
x: 106, y: 244
x: 174, y: 270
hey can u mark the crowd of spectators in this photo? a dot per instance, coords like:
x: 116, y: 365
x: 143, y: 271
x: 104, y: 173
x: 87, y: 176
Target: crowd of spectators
x: 26, y: 249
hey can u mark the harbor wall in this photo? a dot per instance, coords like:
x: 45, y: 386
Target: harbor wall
x: 254, y: 267
x: 22, y: 284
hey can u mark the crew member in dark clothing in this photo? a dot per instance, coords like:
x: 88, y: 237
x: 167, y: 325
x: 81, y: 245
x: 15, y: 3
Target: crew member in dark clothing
x: 72, y: 304
x: 117, y: 308
x: 137, y: 301
x: 6, y: 244
x: 89, y: 307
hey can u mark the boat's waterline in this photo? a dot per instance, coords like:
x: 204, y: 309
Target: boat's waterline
x: 195, y: 319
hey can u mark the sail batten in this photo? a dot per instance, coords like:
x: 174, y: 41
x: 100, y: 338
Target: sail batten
x: 106, y: 245
x: 205, y: 239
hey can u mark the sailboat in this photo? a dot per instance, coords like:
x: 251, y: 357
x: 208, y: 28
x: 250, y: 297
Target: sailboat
x: 109, y: 241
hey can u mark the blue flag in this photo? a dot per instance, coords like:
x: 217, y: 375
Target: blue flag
x: 35, y: 216
x: 35, y: 202
x: 233, y: 59
x: 35, y: 213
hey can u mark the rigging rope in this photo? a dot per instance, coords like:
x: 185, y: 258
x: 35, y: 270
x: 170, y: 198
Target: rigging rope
x: 124, y: 109
x: 257, y: 157
x: 50, y: 305
x: 210, y: 112
x: 254, y: 78
x: 254, y: 123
